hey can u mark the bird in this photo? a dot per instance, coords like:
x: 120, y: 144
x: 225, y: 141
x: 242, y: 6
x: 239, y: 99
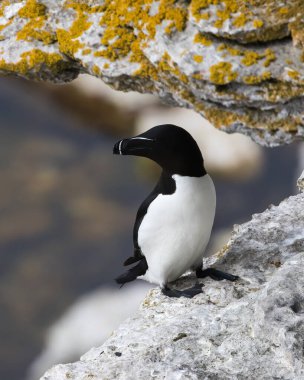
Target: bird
x: 173, y: 224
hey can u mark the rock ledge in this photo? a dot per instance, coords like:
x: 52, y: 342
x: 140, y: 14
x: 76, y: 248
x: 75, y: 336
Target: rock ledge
x: 252, y: 329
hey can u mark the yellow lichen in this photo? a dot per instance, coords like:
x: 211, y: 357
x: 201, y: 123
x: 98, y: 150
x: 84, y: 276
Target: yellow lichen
x: 33, y: 30
x: 219, y: 117
x: 269, y: 57
x: 96, y: 70
x: 186, y: 95
x: 125, y: 15
x: 177, y: 17
x: 117, y: 41
x: 240, y: 12
x: 197, y: 76
x: 5, y: 25
x: 219, y: 23
x: 257, y: 23
x: 234, y: 51
x: 221, y: 73
x: 86, y: 51
x: 266, y: 75
x: 106, y: 66
x: 32, y: 9
x: 283, y: 11
x: 240, y: 21
x: 222, y: 117
x: 146, y: 69
x: 222, y: 15
x: 197, y: 6
x: 67, y: 39
x: 221, y: 47
x: 256, y: 79
x: 229, y: 8
x: 166, y: 65
x: 81, y: 22
x: 293, y: 74
x: 204, y: 16
x: 66, y: 43
x: 3, y: 5
x: 128, y: 24
x: 201, y: 39
x: 276, y: 91
x: 251, y: 79
x: 34, y: 60
x: 229, y: 49
x: 198, y: 58
x: 250, y: 58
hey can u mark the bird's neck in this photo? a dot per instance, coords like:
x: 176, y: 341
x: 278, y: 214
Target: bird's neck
x: 188, y: 167
x: 166, y: 183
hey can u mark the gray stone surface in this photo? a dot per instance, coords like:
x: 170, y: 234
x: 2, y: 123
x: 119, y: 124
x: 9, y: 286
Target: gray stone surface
x: 232, y: 61
x: 251, y: 329
x: 300, y: 182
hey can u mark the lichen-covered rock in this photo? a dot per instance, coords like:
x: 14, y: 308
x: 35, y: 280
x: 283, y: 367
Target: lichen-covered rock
x: 250, y: 329
x: 233, y: 61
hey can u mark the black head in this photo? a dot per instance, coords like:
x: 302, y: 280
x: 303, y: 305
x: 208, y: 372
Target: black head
x: 173, y: 148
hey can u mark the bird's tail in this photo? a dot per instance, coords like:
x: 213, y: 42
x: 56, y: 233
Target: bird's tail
x: 131, y: 275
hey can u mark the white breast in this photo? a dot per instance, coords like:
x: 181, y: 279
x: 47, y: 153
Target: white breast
x: 176, y: 229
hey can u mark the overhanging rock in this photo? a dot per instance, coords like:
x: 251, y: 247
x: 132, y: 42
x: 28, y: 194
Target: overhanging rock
x: 251, y: 329
x: 238, y: 63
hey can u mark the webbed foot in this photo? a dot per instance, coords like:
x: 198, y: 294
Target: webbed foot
x: 188, y: 293
x: 215, y: 274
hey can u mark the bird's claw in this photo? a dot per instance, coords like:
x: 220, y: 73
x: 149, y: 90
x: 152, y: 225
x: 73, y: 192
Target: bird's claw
x: 215, y: 274
x: 188, y: 293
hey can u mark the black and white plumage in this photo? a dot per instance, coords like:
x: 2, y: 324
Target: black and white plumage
x: 173, y: 224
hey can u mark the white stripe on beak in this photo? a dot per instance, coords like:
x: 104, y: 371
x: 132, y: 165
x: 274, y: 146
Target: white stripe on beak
x: 141, y: 138
x: 119, y: 147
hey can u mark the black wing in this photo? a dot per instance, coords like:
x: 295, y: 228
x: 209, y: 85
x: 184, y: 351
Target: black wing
x: 166, y: 185
x: 142, y: 266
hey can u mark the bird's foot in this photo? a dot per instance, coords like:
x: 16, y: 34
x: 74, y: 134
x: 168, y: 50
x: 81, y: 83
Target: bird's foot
x: 215, y: 274
x: 188, y: 293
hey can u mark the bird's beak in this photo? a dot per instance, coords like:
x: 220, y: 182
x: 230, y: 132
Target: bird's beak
x: 119, y: 147
x: 136, y: 146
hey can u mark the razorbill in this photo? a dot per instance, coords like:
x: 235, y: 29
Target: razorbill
x: 173, y: 224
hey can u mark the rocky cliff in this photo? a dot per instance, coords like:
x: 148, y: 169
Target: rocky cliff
x: 251, y: 329
x: 238, y: 63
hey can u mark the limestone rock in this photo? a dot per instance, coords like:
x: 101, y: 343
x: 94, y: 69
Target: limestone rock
x: 301, y: 182
x: 251, y: 329
x: 237, y: 63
